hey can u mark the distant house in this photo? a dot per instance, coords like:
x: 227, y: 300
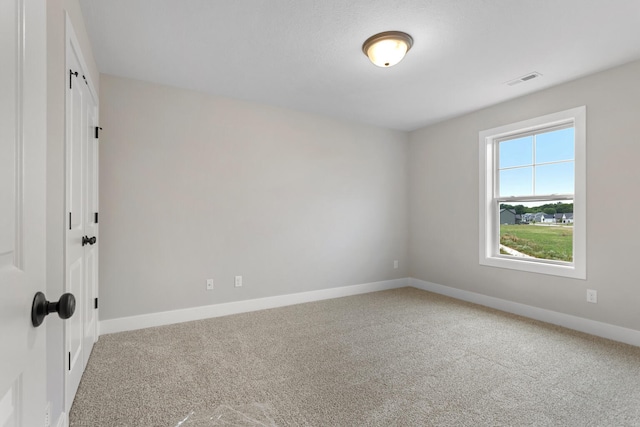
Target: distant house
x: 559, y: 218
x: 508, y: 216
x: 548, y: 218
x: 538, y: 217
x: 568, y: 218
x: 528, y: 217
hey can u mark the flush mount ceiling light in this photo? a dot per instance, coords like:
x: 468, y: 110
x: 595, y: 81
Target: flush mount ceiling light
x: 388, y: 48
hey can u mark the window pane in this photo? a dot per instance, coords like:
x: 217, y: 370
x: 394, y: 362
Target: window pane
x: 516, y: 182
x: 516, y: 152
x: 542, y: 230
x: 557, y: 178
x: 555, y: 146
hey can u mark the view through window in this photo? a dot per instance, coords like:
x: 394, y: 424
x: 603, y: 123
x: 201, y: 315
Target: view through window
x: 535, y: 192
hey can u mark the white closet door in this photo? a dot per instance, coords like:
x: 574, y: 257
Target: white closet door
x: 77, y: 129
x: 82, y: 207
x: 91, y: 220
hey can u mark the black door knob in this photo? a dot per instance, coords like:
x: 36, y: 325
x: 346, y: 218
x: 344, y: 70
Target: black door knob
x: 86, y: 240
x: 65, y: 307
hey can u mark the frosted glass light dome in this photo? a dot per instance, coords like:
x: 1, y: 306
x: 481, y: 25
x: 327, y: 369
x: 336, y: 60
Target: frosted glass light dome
x: 388, y: 48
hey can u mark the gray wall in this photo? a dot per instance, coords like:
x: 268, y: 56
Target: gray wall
x: 56, y: 86
x: 443, y: 243
x: 194, y: 186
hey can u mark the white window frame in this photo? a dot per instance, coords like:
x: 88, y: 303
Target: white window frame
x: 489, y: 208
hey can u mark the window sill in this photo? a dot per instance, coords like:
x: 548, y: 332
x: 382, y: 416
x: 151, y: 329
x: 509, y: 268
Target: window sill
x: 570, y: 270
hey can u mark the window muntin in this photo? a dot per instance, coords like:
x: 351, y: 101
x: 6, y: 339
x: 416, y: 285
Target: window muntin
x: 535, y: 162
x: 538, y: 164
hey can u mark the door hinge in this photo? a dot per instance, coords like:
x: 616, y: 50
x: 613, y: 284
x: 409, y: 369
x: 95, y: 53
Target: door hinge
x: 71, y: 74
x: 69, y: 360
x: 69, y: 220
x: 95, y: 303
x: 98, y: 128
x: 95, y: 219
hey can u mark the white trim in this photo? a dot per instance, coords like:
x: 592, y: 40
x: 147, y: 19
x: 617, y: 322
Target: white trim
x: 488, y: 224
x: 63, y: 421
x: 197, y: 313
x: 600, y: 329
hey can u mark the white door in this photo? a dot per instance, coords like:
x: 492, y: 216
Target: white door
x: 76, y: 136
x: 22, y: 210
x: 81, y: 272
x: 90, y: 228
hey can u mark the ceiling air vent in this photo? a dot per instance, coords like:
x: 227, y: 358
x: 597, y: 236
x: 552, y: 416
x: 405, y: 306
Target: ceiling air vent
x: 524, y: 78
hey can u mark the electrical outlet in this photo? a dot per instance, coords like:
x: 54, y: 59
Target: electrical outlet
x: 209, y: 284
x: 592, y: 296
x: 238, y: 281
x: 395, y: 264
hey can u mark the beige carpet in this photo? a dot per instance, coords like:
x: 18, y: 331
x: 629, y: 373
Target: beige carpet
x: 396, y: 358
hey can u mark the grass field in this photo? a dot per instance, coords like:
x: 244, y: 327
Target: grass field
x: 545, y: 242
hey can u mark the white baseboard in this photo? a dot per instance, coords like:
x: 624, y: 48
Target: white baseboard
x: 197, y: 313
x: 604, y: 330
x: 600, y: 329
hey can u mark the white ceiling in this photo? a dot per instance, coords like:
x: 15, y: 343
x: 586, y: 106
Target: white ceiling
x: 306, y: 54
